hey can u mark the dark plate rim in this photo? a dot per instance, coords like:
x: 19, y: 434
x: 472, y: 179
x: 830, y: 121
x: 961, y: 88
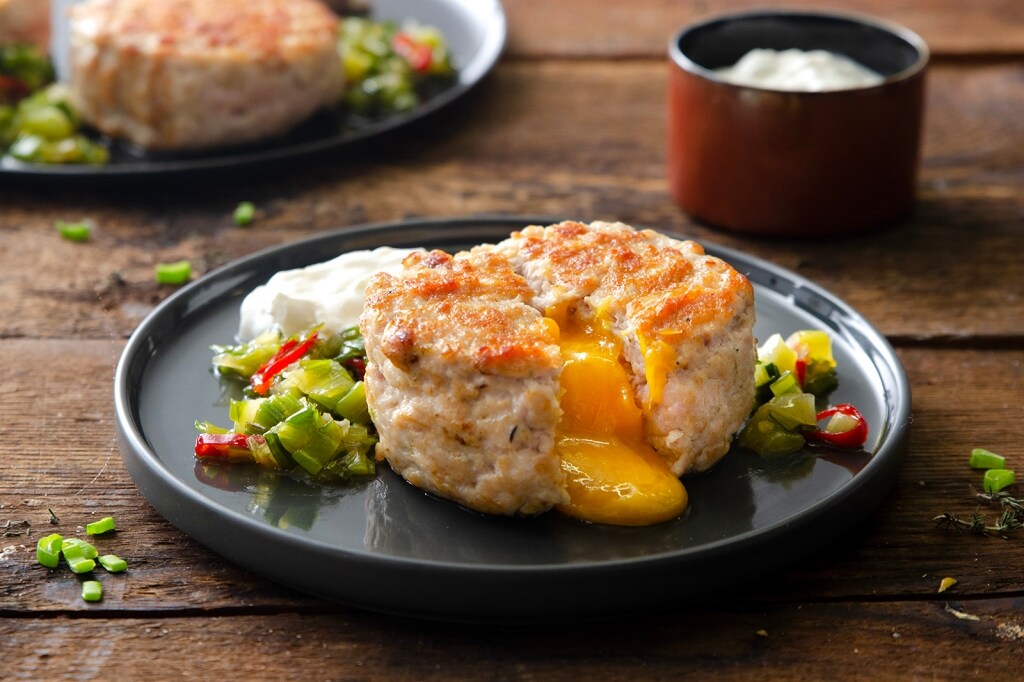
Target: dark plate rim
x: 469, y: 76
x: 878, y: 471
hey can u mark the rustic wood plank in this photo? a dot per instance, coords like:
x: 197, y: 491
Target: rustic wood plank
x: 66, y: 459
x: 533, y: 142
x: 913, y: 640
x: 588, y: 28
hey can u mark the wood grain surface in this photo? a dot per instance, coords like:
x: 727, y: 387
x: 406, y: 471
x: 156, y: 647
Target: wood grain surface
x: 571, y: 124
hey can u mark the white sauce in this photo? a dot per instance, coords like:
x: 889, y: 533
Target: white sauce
x: 799, y: 71
x: 329, y: 293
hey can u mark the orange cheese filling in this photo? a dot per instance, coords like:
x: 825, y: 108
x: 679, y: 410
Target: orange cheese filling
x: 612, y: 475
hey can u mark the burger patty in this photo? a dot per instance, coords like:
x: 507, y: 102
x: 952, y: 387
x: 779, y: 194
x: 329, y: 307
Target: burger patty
x: 194, y: 74
x: 462, y: 381
x: 463, y: 361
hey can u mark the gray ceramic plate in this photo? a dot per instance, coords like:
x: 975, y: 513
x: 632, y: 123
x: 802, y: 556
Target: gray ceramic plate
x: 475, y: 31
x: 387, y: 546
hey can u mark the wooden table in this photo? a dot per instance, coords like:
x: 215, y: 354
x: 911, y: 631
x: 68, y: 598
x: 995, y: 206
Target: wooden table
x: 570, y: 123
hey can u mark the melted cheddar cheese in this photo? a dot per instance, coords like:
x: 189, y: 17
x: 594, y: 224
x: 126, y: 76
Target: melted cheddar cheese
x: 612, y: 475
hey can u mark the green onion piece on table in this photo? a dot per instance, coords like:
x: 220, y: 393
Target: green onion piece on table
x: 113, y: 563
x: 244, y: 213
x: 92, y: 590
x: 48, y: 550
x: 986, y: 459
x: 81, y: 564
x: 997, y: 479
x: 104, y: 525
x: 74, y: 232
x: 177, y: 272
x: 73, y: 547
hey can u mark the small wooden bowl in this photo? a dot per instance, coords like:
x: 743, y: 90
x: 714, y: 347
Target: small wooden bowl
x: 773, y: 162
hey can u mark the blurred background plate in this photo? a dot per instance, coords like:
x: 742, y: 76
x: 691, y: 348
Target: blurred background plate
x: 474, y: 29
x: 387, y: 546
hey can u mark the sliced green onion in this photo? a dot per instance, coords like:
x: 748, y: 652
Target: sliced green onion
x: 48, y: 550
x: 177, y: 272
x: 325, y: 381
x: 92, y: 590
x: 80, y: 564
x: 793, y: 410
x: 986, y: 459
x: 244, y: 213
x: 104, y: 525
x: 997, y: 479
x: 74, y: 232
x: 113, y: 563
x: 73, y: 547
x: 787, y: 383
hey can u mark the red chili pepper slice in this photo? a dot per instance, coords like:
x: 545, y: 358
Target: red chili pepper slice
x: 801, y: 371
x: 849, y: 439
x: 417, y: 54
x: 231, y: 447
x: 291, y: 350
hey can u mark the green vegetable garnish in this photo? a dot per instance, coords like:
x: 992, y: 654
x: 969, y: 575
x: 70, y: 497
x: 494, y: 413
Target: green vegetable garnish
x: 75, y: 232
x: 48, y: 550
x: 177, y: 272
x: 104, y: 525
x: 986, y: 459
x: 92, y: 590
x: 997, y: 479
x: 244, y: 213
x: 73, y: 547
x: 113, y: 563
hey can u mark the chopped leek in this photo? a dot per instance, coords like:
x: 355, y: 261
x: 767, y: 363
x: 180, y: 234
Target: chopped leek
x: 92, y: 590
x: 48, y: 550
x: 986, y: 459
x: 104, y: 525
x: 997, y: 479
x: 113, y: 563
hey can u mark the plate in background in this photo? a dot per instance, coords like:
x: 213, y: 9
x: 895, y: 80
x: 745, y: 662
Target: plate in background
x: 387, y: 546
x: 474, y: 29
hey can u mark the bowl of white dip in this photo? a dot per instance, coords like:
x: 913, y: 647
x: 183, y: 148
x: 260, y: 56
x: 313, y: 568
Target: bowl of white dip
x: 794, y: 123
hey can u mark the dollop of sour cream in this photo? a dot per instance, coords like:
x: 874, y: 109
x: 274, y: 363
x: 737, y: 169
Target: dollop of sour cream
x: 329, y: 293
x: 799, y: 71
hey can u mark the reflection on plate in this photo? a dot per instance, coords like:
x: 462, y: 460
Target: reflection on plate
x: 474, y: 30
x: 388, y: 546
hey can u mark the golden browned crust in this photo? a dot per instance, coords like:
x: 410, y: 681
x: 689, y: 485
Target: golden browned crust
x: 459, y: 309
x: 243, y: 29
x: 670, y: 286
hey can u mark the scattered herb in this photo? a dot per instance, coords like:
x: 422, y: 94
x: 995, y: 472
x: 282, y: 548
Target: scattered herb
x: 244, y: 213
x: 53, y: 517
x: 80, y: 556
x: 996, y: 479
x: 177, y: 272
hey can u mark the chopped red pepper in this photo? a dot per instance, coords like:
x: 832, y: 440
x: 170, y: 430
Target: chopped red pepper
x: 232, y: 447
x: 419, y: 55
x: 852, y: 438
x: 12, y: 89
x: 357, y: 365
x: 291, y: 351
x: 801, y: 371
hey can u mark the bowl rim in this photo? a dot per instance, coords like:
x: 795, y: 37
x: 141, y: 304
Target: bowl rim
x: 681, y: 60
